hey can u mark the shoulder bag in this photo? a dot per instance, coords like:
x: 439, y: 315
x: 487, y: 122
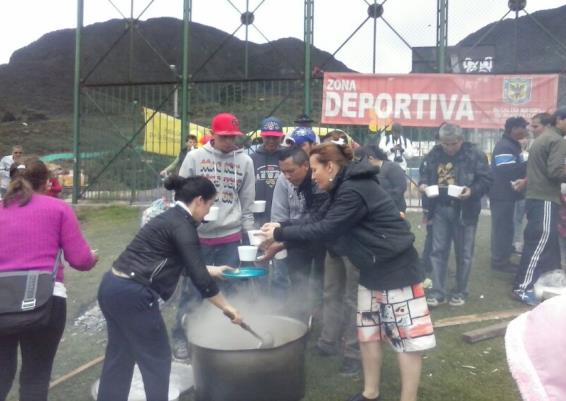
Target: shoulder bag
x: 26, y: 298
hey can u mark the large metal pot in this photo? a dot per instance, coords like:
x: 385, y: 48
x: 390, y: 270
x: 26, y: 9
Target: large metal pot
x: 228, y: 365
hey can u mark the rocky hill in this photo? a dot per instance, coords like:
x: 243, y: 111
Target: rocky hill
x: 40, y: 75
x: 532, y: 44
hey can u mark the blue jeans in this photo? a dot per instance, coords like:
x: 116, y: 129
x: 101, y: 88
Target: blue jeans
x: 136, y: 334
x: 519, y: 220
x: 502, y: 231
x: 447, y: 226
x: 280, y: 282
x: 190, y: 299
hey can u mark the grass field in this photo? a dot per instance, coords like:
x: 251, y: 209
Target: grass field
x: 455, y: 370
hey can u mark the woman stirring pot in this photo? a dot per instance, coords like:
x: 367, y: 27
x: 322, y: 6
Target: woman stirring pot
x: 149, y: 269
x: 360, y: 221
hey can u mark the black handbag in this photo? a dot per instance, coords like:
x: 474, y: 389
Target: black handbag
x: 26, y: 298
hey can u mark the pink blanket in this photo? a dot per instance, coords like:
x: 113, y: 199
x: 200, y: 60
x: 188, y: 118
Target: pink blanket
x: 535, y: 343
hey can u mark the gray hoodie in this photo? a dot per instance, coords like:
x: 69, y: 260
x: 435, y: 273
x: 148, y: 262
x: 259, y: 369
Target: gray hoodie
x: 233, y: 176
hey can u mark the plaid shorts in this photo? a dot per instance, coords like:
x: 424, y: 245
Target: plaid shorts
x: 401, y: 316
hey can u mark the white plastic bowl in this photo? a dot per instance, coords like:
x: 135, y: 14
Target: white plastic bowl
x: 247, y: 253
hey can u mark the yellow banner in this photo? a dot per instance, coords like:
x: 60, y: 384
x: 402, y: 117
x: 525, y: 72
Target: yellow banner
x: 163, y: 133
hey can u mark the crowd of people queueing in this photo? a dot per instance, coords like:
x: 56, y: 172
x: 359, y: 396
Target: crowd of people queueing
x: 339, y: 211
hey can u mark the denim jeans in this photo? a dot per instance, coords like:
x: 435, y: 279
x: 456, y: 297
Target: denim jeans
x: 447, y: 226
x: 190, y: 299
x: 340, y: 306
x: 502, y: 231
x: 136, y: 334
x: 519, y: 221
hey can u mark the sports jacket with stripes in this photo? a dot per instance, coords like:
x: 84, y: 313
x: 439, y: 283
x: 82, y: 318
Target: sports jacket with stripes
x: 507, y: 165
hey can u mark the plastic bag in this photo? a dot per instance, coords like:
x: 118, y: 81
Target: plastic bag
x: 551, y: 283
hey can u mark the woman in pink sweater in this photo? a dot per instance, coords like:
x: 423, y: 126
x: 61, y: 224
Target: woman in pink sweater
x: 33, y: 227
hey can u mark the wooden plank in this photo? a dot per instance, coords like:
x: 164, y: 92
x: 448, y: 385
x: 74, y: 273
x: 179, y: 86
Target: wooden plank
x: 75, y: 372
x: 485, y: 333
x: 479, y: 317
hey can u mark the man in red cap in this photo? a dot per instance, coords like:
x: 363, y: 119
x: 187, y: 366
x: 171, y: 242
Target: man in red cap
x: 232, y: 173
x: 266, y: 164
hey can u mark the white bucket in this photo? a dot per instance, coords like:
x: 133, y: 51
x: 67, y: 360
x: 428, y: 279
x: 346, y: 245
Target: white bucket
x: 258, y: 206
x: 212, y: 214
x: 247, y: 253
x: 255, y: 237
x: 455, y: 191
x: 432, y: 191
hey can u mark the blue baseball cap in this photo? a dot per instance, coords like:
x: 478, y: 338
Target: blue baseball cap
x: 301, y: 135
x: 272, y: 126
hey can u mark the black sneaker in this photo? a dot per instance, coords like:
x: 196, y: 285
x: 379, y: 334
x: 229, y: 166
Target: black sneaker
x: 181, y: 349
x: 350, y: 367
x: 505, y: 267
x: 360, y: 397
x: 325, y: 350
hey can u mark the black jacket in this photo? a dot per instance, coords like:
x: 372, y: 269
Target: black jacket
x: 471, y: 169
x: 392, y: 179
x: 162, y: 250
x: 361, y: 221
x: 507, y: 165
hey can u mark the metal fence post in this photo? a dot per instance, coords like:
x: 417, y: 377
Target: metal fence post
x: 77, y: 105
x: 441, y: 34
x: 308, y: 36
x: 185, y: 100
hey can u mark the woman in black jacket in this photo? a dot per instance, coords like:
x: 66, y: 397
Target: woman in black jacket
x: 149, y: 269
x: 360, y: 221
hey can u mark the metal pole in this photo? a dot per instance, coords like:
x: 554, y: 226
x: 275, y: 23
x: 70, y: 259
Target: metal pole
x: 442, y: 34
x: 246, y: 44
x: 173, y: 69
x: 77, y: 105
x: 185, y: 100
x: 308, y: 36
x: 374, y: 40
x: 131, y: 52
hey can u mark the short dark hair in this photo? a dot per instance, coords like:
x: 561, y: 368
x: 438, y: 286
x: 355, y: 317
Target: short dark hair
x: 298, y: 155
x: 545, y: 119
x: 515, y: 122
x: 187, y: 189
x: 371, y: 151
x: 193, y: 137
x: 559, y: 114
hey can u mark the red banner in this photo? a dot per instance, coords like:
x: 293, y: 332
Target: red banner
x: 427, y: 100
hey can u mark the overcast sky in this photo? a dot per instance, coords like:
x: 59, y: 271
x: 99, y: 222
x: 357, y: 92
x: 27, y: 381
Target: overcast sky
x: 24, y: 21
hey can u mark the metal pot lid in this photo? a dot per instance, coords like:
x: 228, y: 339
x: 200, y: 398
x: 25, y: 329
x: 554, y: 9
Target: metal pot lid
x: 181, y: 380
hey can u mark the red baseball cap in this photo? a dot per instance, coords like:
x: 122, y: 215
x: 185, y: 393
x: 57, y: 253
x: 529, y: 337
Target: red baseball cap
x: 225, y: 124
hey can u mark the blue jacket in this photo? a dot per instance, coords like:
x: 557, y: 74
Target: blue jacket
x: 507, y: 165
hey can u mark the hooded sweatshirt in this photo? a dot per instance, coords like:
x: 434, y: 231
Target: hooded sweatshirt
x: 266, y: 166
x: 233, y: 176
